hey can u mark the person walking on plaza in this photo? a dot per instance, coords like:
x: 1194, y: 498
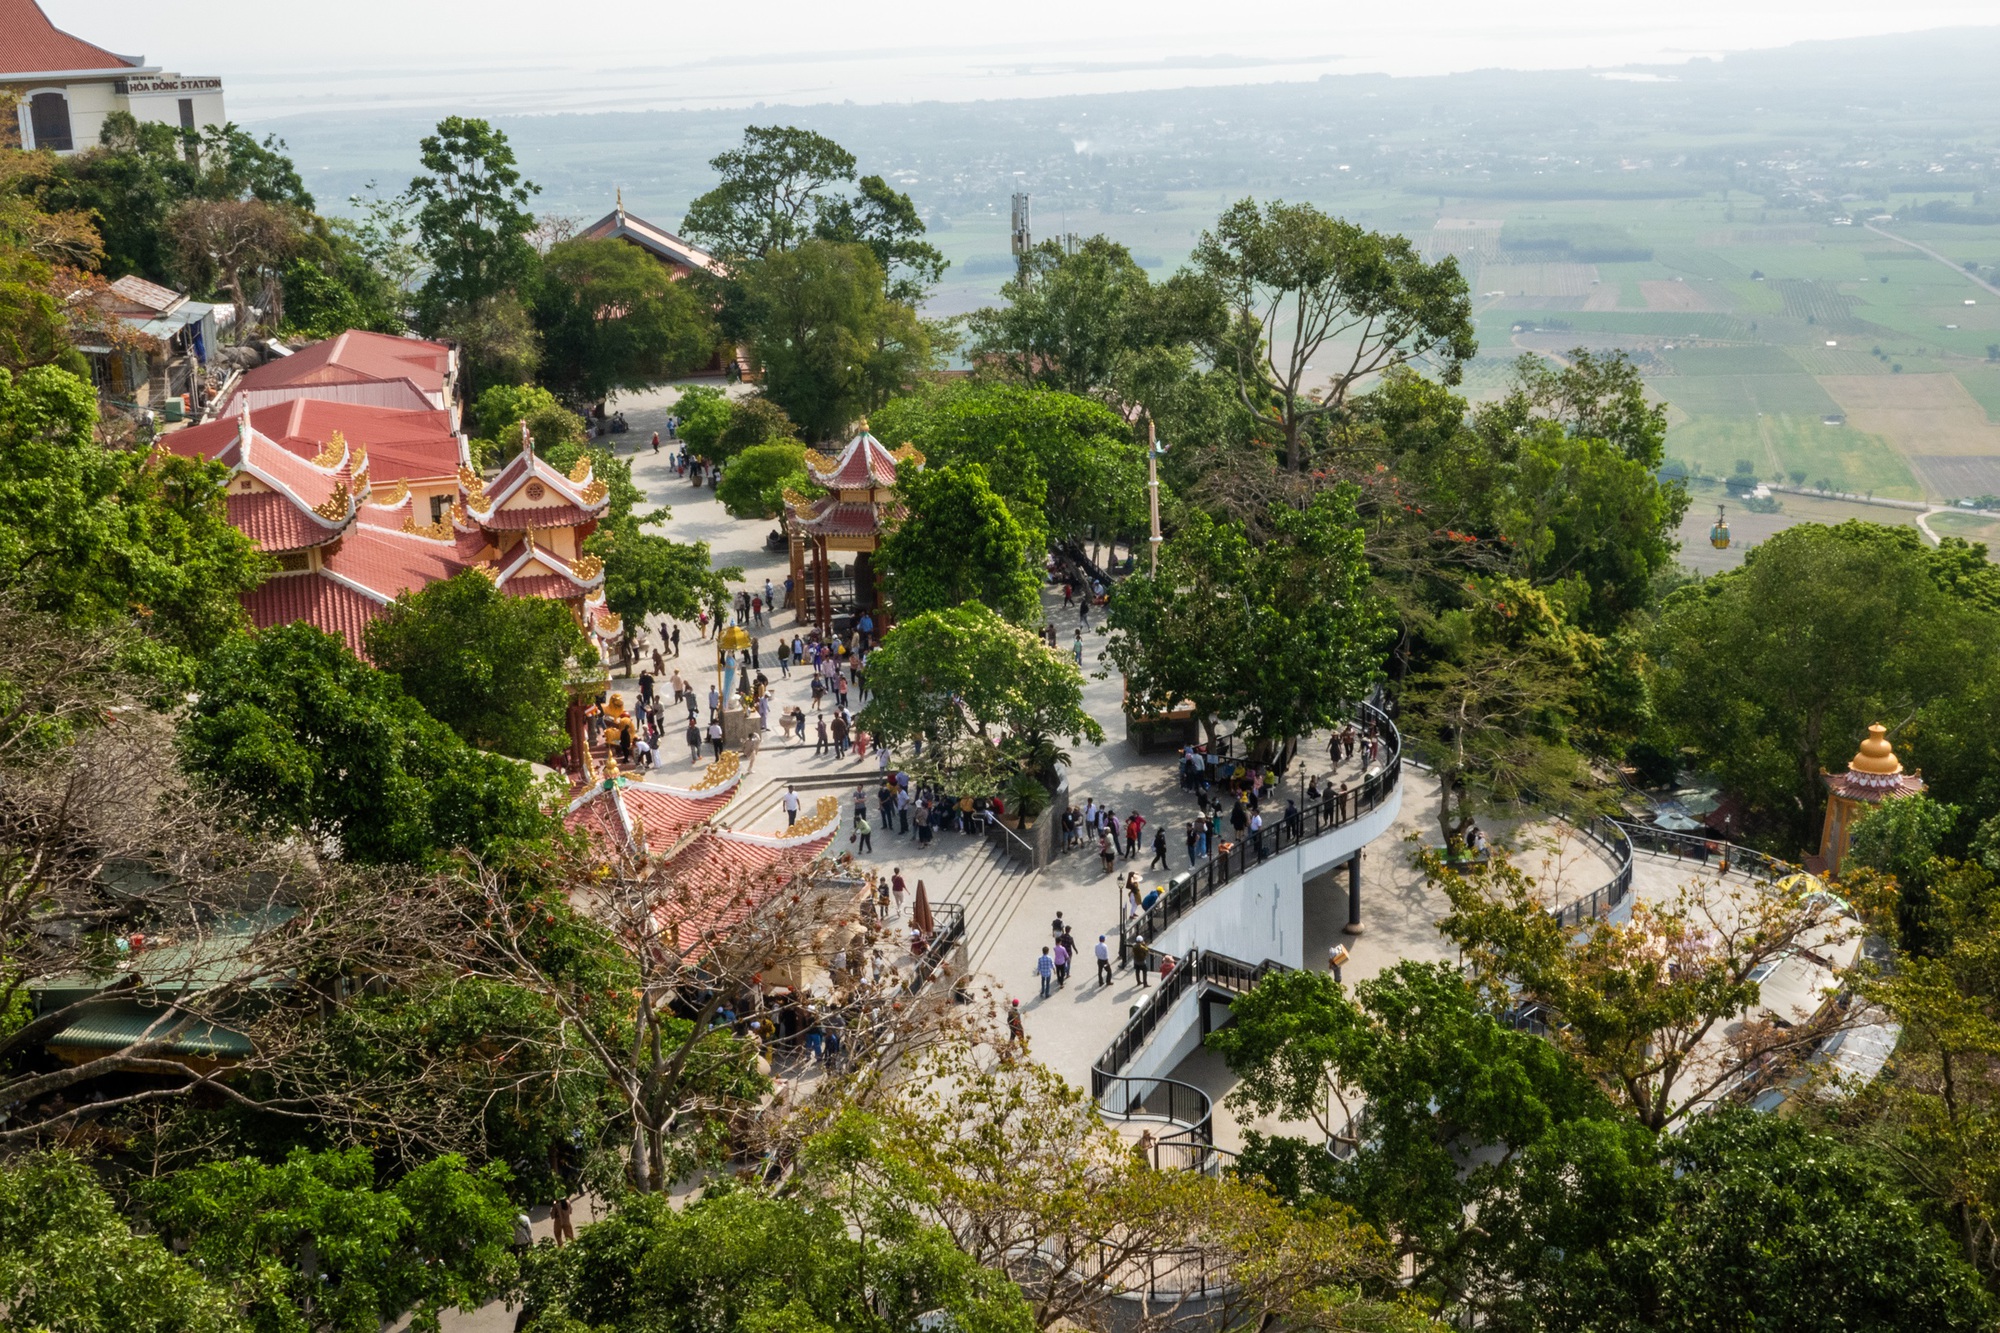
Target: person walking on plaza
x: 559, y: 1211
x: 839, y: 736
x: 896, y: 889
x: 864, y: 833
x: 1045, y: 968
x: 1104, y: 851
x: 1061, y: 960
x: 1140, y: 957
x: 1193, y: 841
x: 1103, y: 962
x: 1015, y: 1031
x: 694, y: 740
x: 1257, y: 833
x: 822, y: 746
x: 1159, y: 848
x: 715, y: 738
x: 677, y: 641
x: 1134, y: 822
x: 791, y: 805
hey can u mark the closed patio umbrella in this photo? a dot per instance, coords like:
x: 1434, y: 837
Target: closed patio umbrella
x: 920, y: 912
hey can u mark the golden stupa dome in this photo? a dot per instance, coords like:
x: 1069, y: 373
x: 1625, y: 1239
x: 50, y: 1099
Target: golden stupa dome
x: 1875, y: 756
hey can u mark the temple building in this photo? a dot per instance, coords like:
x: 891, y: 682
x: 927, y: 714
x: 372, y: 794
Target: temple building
x: 682, y: 257
x: 854, y: 514
x: 349, y: 538
x: 719, y: 875
x: 1873, y: 776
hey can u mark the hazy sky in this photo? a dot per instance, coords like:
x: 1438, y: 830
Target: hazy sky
x: 531, y: 55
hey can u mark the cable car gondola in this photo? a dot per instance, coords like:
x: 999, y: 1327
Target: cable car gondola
x: 1718, y: 536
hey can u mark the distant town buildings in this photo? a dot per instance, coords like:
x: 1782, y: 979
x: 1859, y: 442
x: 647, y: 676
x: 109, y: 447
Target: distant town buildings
x: 67, y: 86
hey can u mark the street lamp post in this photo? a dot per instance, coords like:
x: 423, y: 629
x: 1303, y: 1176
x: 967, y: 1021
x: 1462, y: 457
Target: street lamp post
x: 1153, y: 452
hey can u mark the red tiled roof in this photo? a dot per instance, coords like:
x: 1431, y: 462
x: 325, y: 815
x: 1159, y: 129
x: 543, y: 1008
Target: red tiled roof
x: 723, y: 876
x: 623, y: 226
x: 275, y: 523
x: 390, y: 563
x: 529, y: 520
x: 29, y: 43
x: 354, y: 357
x: 315, y: 599
x: 552, y: 586
x: 845, y: 518
x: 565, y: 496
x: 864, y: 463
x: 665, y: 813
x: 402, y: 445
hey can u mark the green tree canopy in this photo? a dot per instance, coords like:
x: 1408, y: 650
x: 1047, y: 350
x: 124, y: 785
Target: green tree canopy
x: 755, y: 481
x: 1078, y: 317
x: 647, y: 575
x: 704, y: 413
x: 491, y: 667
x: 472, y: 220
x: 312, y: 738
x: 1772, y: 672
x: 1279, y: 637
x: 313, y: 1243
x: 96, y: 535
x: 743, y: 1259
x: 942, y: 676
x: 69, y: 1261
x: 1310, y: 286
x: 613, y: 317
x: 784, y: 186
x: 830, y: 341
x: 958, y: 543
x: 1068, y: 458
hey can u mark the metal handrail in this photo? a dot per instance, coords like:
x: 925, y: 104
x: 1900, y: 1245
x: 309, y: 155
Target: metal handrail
x: 1187, y: 890
x: 1610, y: 837
x: 1665, y: 841
x: 947, y: 938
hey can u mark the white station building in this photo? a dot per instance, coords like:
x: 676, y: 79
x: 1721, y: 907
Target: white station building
x: 67, y: 86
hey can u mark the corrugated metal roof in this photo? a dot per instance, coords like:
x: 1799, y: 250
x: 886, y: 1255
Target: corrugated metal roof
x: 117, y: 1026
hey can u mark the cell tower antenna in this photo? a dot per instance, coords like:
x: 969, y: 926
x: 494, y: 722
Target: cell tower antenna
x: 1024, y: 241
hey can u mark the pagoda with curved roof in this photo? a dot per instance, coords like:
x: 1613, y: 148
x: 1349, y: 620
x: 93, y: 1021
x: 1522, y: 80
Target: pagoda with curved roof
x: 853, y: 515
x: 1873, y: 776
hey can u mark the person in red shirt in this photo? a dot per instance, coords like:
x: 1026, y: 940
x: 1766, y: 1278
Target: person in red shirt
x: 1133, y: 823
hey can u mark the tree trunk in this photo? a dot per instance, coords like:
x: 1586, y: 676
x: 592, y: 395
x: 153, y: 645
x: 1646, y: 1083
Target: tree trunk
x: 640, y: 1164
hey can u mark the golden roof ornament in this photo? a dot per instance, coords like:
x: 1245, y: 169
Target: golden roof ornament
x: 1876, y: 758
x: 581, y: 472
x: 335, y: 507
x: 330, y: 453
x: 397, y: 494
x: 439, y: 531
x: 588, y: 566
x: 595, y: 492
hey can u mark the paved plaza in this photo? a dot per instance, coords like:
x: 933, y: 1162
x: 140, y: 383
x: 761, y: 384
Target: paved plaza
x: 1009, y: 910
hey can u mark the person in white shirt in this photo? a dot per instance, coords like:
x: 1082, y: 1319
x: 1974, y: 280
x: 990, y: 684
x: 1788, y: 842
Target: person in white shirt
x: 791, y: 807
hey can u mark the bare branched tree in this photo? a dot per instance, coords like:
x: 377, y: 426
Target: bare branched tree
x: 142, y: 931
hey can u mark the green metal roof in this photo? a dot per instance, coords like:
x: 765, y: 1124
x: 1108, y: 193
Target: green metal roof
x: 116, y: 1026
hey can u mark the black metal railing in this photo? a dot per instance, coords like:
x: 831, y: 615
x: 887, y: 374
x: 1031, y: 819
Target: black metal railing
x: 1187, y: 890
x: 1728, y: 855
x: 1613, y: 841
x: 1200, y: 968
x: 949, y: 918
x: 1120, y: 1096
